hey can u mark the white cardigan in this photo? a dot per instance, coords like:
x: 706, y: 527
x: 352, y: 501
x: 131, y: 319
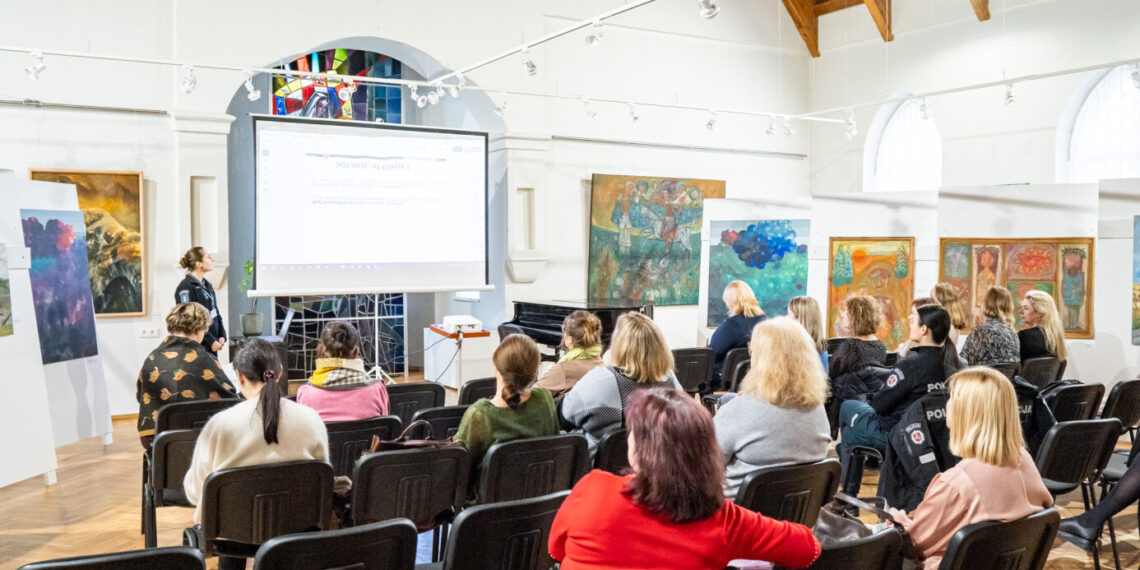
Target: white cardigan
x: 234, y: 438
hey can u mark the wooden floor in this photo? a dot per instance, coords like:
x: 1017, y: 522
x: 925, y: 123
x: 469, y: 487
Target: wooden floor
x: 95, y: 508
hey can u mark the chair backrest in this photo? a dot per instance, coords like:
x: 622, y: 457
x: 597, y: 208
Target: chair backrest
x: 389, y: 545
x: 171, y: 454
x: 348, y: 440
x: 1022, y: 544
x: 882, y: 550
x: 613, y: 451
x: 1061, y: 366
x: 507, y: 329
x: 1075, y: 402
x: 405, y: 399
x: 510, y: 535
x: 472, y: 390
x: 1074, y: 451
x: 1123, y: 403
x: 189, y: 415
x: 736, y: 364
x: 532, y: 467
x: 171, y: 558
x: 833, y: 344
x: 694, y: 367
x: 1009, y: 369
x: 891, y: 359
x: 791, y: 493
x: 423, y: 485
x: 444, y: 421
x: 251, y: 505
x: 1040, y: 371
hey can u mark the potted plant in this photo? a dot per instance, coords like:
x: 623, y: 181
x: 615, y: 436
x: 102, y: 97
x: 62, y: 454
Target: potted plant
x: 251, y: 322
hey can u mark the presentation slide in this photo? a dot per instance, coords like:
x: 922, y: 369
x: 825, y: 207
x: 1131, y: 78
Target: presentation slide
x: 360, y: 207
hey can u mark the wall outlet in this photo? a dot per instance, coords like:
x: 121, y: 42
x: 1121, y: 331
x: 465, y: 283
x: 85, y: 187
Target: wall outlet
x: 148, y: 332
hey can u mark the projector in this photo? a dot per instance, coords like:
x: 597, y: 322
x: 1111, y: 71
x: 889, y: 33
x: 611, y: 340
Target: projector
x: 463, y: 323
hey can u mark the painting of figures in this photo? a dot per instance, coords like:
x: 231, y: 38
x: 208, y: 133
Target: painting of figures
x: 5, y: 294
x: 882, y: 268
x: 645, y: 238
x: 1061, y: 267
x: 769, y: 255
x: 1136, y: 280
x: 61, y: 289
x: 113, y: 207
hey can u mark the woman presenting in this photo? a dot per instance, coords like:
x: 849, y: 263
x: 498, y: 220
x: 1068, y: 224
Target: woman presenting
x: 195, y: 289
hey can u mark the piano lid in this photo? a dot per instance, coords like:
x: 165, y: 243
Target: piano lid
x: 583, y: 304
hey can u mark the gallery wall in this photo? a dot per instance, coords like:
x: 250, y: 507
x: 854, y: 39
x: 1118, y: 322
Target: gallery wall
x: 1117, y: 358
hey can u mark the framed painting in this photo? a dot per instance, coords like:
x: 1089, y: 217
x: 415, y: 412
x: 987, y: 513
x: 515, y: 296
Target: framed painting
x: 113, y: 206
x: 882, y: 268
x: 61, y: 288
x: 645, y: 238
x: 771, y: 256
x: 5, y: 294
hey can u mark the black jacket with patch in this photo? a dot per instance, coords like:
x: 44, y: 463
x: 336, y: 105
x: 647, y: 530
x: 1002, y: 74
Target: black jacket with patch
x: 918, y: 449
x: 190, y: 290
x: 921, y: 372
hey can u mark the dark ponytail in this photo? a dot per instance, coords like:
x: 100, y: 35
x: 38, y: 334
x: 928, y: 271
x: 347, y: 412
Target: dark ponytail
x: 258, y: 362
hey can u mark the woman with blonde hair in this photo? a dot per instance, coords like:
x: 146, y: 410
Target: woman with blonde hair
x: 805, y: 311
x: 946, y: 295
x: 641, y: 359
x: 994, y: 341
x: 582, y: 339
x: 862, y: 317
x: 1043, y: 335
x: 778, y: 419
x: 996, y: 479
x: 744, y: 313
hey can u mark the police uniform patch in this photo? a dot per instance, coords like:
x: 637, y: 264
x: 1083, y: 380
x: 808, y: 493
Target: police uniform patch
x: 184, y: 296
x: 917, y: 437
x: 892, y: 380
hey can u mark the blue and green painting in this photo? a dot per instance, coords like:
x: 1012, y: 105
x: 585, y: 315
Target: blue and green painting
x: 769, y: 255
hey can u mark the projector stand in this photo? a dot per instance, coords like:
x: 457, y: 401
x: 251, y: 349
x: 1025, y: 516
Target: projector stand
x: 378, y: 373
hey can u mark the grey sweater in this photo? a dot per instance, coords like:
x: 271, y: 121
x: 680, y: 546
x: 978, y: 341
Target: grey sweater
x: 596, y: 403
x: 753, y: 433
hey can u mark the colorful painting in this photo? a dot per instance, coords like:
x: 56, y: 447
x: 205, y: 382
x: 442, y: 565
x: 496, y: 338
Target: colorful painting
x: 113, y: 205
x: 1061, y: 267
x: 307, y: 96
x: 645, y: 238
x: 1136, y: 280
x: 882, y: 268
x: 1019, y: 288
x: 769, y: 255
x: 5, y: 294
x: 61, y: 288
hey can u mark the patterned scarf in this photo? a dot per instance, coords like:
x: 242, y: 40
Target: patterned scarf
x: 582, y: 353
x: 340, y: 374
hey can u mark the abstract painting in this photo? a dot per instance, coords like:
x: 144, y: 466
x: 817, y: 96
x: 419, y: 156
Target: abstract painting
x: 113, y: 207
x: 61, y: 288
x: 645, y: 238
x: 882, y: 268
x: 5, y: 294
x: 1061, y: 267
x: 769, y: 255
x: 1136, y: 280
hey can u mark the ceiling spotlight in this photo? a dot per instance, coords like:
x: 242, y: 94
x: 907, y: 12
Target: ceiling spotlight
x: 501, y: 108
x: 1136, y: 77
x: 788, y: 130
x: 189, y: 80
x: 633, y: 114
x: 850, y: 128
x: 1010, y: 96
x: 711, y: 124
x: 923, y: 109
x: 434, y: 95
x: 596, y: 35
x: 771, y: 130
x: 252, y: 93
x: 421, y: 100
x: 528, y: 64
x: 709, y: 9
x: 453, y: 90
x: 590, y: 112
x: 378, y: 120
x: 36, y: 66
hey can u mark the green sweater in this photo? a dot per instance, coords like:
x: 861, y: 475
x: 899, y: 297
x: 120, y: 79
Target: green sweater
x: 485, y: 424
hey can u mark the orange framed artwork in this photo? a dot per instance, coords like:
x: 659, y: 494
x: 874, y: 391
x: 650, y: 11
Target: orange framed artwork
x: 882, y: 268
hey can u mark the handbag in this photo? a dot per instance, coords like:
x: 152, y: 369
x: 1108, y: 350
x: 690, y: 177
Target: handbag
x: 404, y: 440
x: 837, y: 524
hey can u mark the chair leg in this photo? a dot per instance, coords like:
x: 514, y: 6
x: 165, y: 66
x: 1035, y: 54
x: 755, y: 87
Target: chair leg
x: 853, y: 478
x: 443, y: 539
x: 150, y: 522
x: 1112, y: 540
x: 145, y: 480
x: 435, y: 549
x: 1085, y: 495
x: 1096, y: 556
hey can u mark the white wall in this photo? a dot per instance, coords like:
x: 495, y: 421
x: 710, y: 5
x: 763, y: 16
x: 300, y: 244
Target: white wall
x: 1116, y: 357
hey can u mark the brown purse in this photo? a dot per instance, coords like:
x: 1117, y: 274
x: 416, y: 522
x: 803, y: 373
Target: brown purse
x: 404, y: 440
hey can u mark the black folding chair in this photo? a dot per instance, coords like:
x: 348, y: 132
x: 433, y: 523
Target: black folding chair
x: 1022, y: 544
x: 510, y: 535
x: 882, y: 551
x: 246, y: 506
x: 444, y: 421
x: 1075, y: 401
x: 389, y: 545
x: 1074, y: 454
x: 349, y: 440
x: 1041, y: 371
x: 694, y: 368
x: 1008, y: 369
x: 613, y: 451
x: 791, y: 493
x: 472, y: 390
x: 736, y: 364
x: 170, y: 457
x: 171, y: 558
x: 532, y: 467
x: 1123, y: 403
x: 1118, y: 464
x: 405, y: 399
x: 507, y: 329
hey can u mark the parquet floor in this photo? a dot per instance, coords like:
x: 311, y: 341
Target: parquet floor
x: 95, y: 508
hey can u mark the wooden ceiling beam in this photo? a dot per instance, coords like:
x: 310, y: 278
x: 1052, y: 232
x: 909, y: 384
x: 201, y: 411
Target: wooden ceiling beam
x: 881, y: 13
x: 828, y: 6
x: 807, y: 22
x: 981, y: 9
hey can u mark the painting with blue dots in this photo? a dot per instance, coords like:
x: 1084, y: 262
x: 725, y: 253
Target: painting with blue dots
x: 769, y: 255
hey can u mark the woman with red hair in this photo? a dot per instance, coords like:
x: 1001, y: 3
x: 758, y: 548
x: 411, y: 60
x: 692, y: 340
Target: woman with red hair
x: 669, y: 511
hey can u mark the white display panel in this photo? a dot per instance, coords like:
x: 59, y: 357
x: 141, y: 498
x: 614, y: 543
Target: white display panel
x: 361, y: 208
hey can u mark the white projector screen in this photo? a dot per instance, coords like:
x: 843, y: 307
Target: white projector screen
x: 346, y: 207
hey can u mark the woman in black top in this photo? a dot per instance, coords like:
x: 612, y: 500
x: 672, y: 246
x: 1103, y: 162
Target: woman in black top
x: 1043, y: 335
x: 195, y: 289
x: 862, y: 317
x: 744, y: 313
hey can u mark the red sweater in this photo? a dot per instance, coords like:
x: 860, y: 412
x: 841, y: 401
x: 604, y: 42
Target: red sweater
x: 599, y: 527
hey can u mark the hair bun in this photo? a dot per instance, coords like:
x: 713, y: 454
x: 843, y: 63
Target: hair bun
x: 269, y: 375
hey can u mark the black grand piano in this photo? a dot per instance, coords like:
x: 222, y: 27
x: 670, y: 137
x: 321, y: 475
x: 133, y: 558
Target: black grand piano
x: 542, y: 320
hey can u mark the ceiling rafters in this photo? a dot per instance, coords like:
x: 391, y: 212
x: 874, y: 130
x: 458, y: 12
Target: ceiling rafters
x: 807, y: 22
x: 981, y: 9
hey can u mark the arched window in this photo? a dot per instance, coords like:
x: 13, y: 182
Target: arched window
x: 903, y: 150
x: 1104, y: 141
x: 329, y: 99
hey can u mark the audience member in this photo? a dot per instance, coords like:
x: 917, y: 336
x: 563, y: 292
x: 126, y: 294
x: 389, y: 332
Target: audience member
x: 744, y: 313
x: 805, y: 311
x: 340, y: 389
x: 994, y: 341
x: 909, y: 343
x: 948, y: 297
x: 582, y: 339
x: 641, y: 359
x: 996, y: 479
x: 1043, y: 335
x: 862, y: 318
x: 669, y: 512
x: 179, y: 370
x: 778, y: 419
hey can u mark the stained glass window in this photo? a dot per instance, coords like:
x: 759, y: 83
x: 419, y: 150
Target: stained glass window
x: 332, y: 99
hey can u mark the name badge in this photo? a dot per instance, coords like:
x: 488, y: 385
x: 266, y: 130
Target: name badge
x: 214, y: 313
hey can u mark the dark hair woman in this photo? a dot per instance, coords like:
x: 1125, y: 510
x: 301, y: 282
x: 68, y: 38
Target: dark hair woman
x: 582, y: 339
x: 266, y: 428
x: 340, y: 390
x: 669, y: 511
x: 195, y: 289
